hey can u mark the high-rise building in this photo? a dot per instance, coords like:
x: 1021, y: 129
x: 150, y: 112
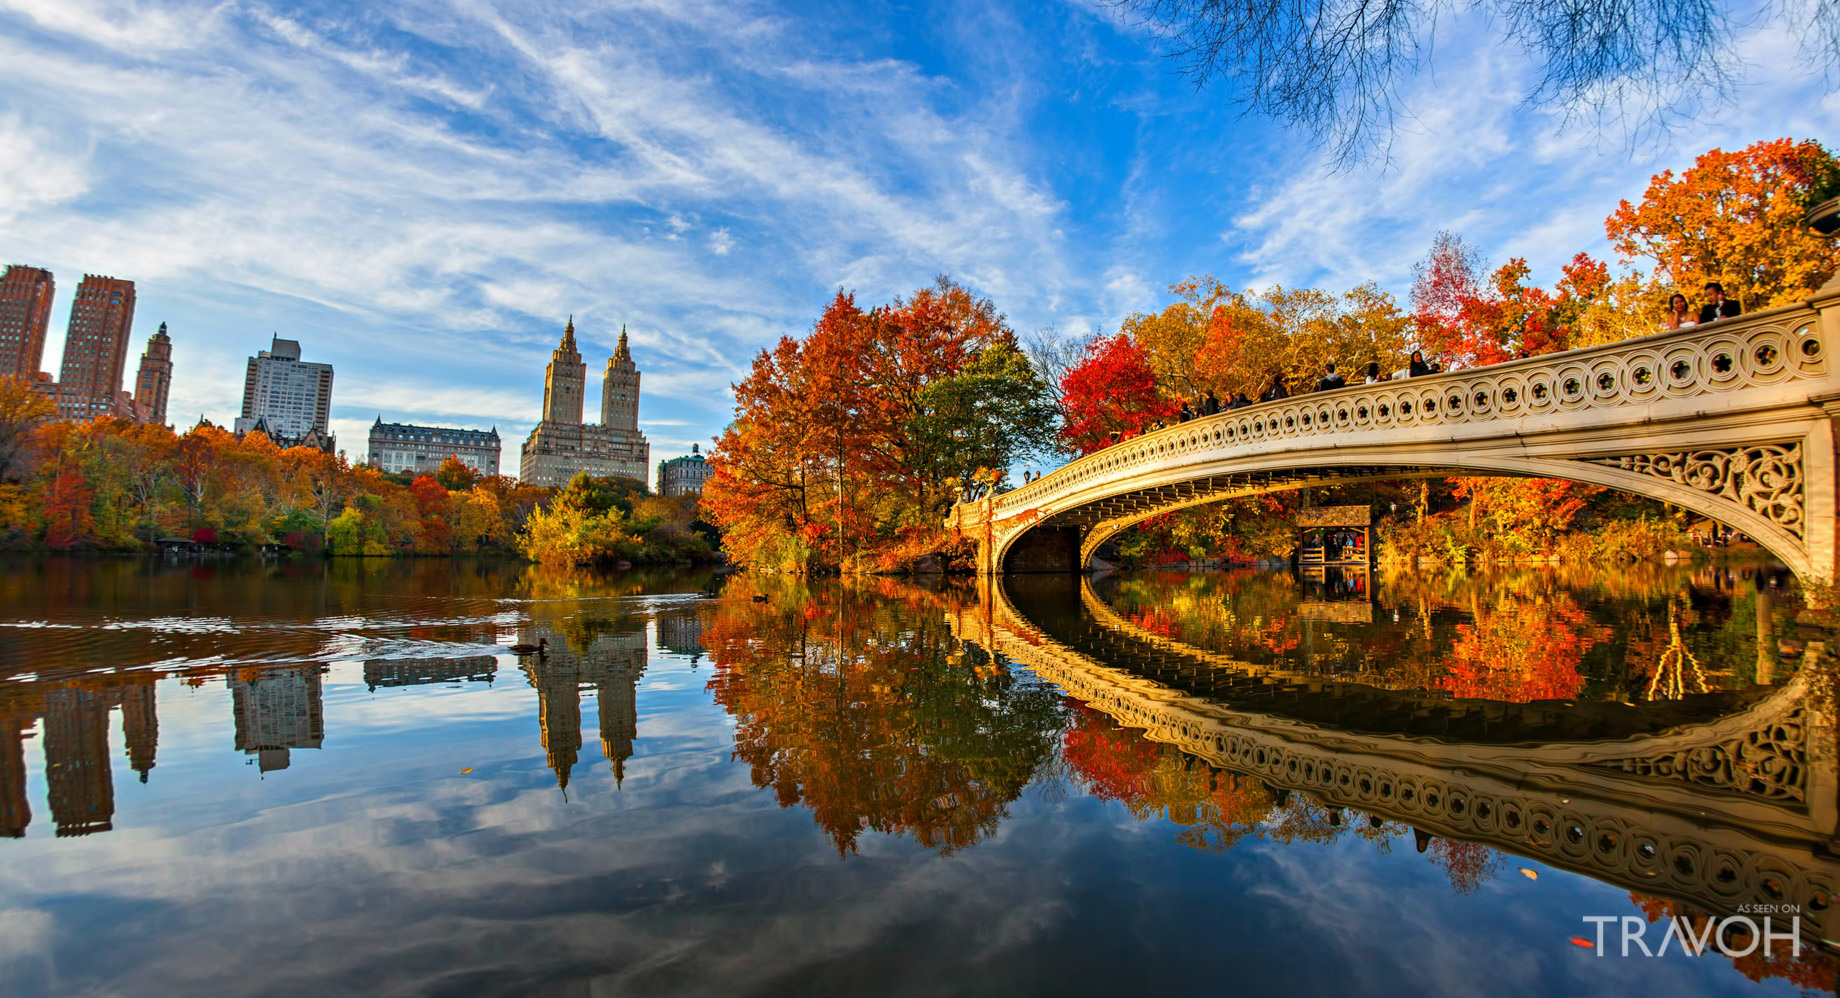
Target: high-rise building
x: 25, y: 315
x: 154, y: 381
x: 96, y: 350
x: 291, y: 398
x: 403, y: 447
x: 683, y: 475
x: 562, y: 445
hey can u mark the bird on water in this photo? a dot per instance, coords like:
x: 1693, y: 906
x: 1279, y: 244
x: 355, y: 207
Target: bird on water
x: 540, y: 649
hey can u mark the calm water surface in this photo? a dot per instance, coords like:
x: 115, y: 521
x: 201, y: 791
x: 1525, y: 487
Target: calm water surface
x: 307, y: 778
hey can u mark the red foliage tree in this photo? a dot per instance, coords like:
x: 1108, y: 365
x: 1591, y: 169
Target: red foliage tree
x: 68, y: 522
x: 1112, y: 389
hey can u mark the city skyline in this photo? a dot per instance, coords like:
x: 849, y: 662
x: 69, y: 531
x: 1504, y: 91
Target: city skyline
x: 384, y: 183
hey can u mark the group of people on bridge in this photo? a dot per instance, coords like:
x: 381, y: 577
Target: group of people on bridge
x: 1680, y: 315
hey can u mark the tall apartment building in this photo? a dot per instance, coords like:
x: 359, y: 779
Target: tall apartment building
x: 96, y: 350
x: 404, y: 447
x: 154, y: 381
x: 562, y: 445
x: 288, y: 399
x: 683, y: 475
x: 25, y: 315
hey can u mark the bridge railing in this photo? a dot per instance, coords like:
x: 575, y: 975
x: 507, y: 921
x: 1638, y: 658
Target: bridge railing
x: 1765, y: 348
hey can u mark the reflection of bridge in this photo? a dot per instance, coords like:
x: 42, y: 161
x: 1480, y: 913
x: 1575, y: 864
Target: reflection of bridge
x: 1718, y: 813
x: 1730, y: 420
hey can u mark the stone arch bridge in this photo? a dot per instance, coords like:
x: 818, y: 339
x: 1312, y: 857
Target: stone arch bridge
x: 1731, y: 420
x: 1722, y: 801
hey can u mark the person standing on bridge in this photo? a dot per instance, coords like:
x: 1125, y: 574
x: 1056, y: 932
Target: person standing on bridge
x: 1210, y: 405
x: 1276, y: 391
x: 1331, y: 380
x: 1717, y: 305
x: 1417, y: 367
x: 1373, y: 372
x: 1680, y: 314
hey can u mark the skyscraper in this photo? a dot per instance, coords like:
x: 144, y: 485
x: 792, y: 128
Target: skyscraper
x: 620, y: 390
x: 564, y: 380
x: 96, y: 349
x: 25, y: 314
x: 154, y: 381
x: 562, y: 445
x: 291, y: 399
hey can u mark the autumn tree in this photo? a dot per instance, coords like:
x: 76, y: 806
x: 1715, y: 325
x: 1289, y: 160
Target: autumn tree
x: 1734, y: 218
x: 1112, y: 391
x: 843, y: 441
x: 1215, y: 339
x: 455, y: 476
x: 21, y: 411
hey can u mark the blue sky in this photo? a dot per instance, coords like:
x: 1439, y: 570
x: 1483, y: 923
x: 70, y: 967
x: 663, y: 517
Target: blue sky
x: 422, y: 194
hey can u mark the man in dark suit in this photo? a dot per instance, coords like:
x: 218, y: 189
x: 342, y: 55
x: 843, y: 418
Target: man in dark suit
x: 1717, y: 305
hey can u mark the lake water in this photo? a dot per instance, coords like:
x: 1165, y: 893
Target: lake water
x: 243, y: 778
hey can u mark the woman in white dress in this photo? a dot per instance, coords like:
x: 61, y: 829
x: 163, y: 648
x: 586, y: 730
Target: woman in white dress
x: 1680, y: 315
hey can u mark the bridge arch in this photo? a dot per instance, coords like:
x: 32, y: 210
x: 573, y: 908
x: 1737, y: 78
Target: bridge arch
x: 1732, y: 420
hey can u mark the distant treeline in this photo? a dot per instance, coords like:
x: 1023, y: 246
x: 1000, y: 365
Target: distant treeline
x: 114, y: 485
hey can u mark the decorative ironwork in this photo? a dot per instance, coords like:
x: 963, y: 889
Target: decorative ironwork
x: 1766, y: 478
x: 1771, y: 762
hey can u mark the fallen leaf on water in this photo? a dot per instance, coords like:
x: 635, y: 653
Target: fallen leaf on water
x: 1582, y: 941
x: 466, y: 771
x: 1530, y: 874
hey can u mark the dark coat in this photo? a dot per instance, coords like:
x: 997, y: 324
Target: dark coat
x: 1723, y: 310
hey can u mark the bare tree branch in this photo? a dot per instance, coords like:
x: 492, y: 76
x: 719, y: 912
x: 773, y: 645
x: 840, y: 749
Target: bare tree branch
x: 1334, y: 68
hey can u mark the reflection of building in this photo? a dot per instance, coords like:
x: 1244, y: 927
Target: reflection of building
x: 77, y: 775
x: 422, y: 671
x: 76, y: 745
x: 153, y: 383
x: 683, y: 475
x: 562, y: 445
x: 612, y: 666
x: 15, y: 812
x: 140, y: 726
x: 25, y: 315
x: 681, y: 634
x: 277, y: 711
x: 293, y: 398
x: 402, y: 447
x: 96, y: 350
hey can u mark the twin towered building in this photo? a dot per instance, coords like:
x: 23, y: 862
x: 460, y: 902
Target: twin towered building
x: 562, y: 445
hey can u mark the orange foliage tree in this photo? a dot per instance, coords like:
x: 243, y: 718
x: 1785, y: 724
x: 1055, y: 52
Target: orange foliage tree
x: 1735, y: 218
x: 852, y: 442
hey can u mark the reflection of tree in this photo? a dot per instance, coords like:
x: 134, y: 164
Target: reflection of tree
x: 1522, y: 649
x: 1216, y: 809
x: 1468, y: 864
x: 858, y: 705
x: 1815, y: 970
